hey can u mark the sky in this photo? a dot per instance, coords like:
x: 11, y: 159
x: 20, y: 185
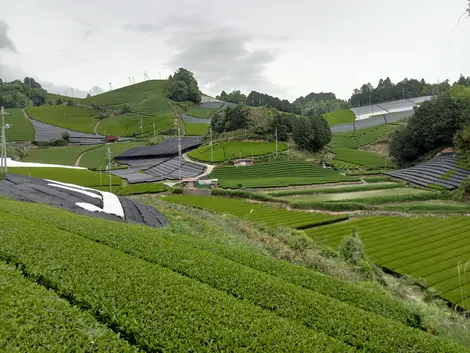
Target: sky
x: 283, y: 48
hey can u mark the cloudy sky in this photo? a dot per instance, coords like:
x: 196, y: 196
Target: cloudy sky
x: 284, y: 48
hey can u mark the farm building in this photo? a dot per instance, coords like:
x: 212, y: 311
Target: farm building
x: 244, y: 162
x: 111, y: 139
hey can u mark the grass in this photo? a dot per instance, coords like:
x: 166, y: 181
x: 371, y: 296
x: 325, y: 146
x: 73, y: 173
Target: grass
x: 202, y: 113
x: 432, y: 206
x: 81, y: 177
x: 140, y: 273
x: 225, y: 151
x: 373, y: 134
x: 195, y: 129
x: 148, y: 97
x: 357, y: 195
x: 138, y: 189
x: 336, y: 189
x: 129, y: 124
x: 57, y: 155
x: 276, y: 174
x: 345, y: 116
x: 20, y: 129
x: 271, y: 216
x: 448, y: 175
x: 363, y: 158
x: 72, y: 118
x: 97, y: 158
x: 430, y: 248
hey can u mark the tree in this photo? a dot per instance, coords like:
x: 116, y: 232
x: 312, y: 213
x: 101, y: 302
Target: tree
x: 462, y: 140
x: 88, y: 95
x: 65, y: 136
x: 352, y: 248
x: 183, y: 87
x: 231, y: 119
x: 311, y: 133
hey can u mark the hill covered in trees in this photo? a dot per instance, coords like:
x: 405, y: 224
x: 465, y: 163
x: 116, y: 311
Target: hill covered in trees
x: 18, y: 94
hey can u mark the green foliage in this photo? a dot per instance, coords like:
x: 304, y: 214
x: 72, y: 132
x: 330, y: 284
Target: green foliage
x: 271, y: 216
x: 242, y: 194
x: 421, y: 247
x: 194, y: 312
x: 202, y: 113
x: 345, y: 116
x: 363, y: 158
x: 448, y: 175
x: 233, y: 97
x: 184, y: 87
x: 81, y: 177
x: 311, y: 133
x: 195, y: 129
x: 352, y: 248
x: 432, y: 126
x: 257, y: 99
x: 461, y: 140
x: 17, y: 94
x: 276, y: 174
x: 225, y: 151
x: 386, y: 91
x: 377, y: 179
x: 129, y: 124
x: 138, y: 189
x: 20, y: 129
x: 36, y: 320
x: 230, y: 119
x: 67, y: 117
x: 321, y: 103
x: 65, y: 136
x: 336, y: 189
x: 57, y: 155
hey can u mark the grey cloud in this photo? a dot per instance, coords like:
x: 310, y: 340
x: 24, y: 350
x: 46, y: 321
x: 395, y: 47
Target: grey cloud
x: 5, y: 41
x: 218, y: 55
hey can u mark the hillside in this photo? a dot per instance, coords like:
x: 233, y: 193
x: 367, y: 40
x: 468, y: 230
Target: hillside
x: 218, y: 291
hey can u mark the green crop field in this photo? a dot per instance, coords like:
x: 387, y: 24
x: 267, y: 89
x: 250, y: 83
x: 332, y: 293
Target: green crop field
x: 81, y: 177
x: 336, y: 189
x: 136, y: 189
x: 73, y: 118
x: 363, y: 158
x: 345, y: 116
x: 21, y: 128
x: 129, y: 124
x: 202, y: 113
x: 373, y: 134
x: 271, y: 216
x: 148, y: 97
x: 57, y: 155
x: 343, y: 140
x: 426, y: 247
x: 431, y: 206
x: 224, y: 151
x: 212, y: 295
x: 97, y: 158
x: 195, y: 129
x: 277, y: 174
x: 52, y: 97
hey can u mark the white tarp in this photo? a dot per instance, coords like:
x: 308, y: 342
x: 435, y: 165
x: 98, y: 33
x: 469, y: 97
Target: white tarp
x: 12, y: 163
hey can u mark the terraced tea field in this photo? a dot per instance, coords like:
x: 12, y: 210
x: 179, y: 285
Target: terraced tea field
x: 344, y: 116
x: 202, y: 113
x: 81, y: 177
x: 235, y: 149
x: 277, y: 174
x: 97, y: 158
x: 363, y: 158
x: 72, y: 118
x: 129, y: 124
x: 57, y: 155
x: 203, y: 287
x: 426, y: 247
x: 20, y: 129
x: 271, y: 216
x: 195, y: 129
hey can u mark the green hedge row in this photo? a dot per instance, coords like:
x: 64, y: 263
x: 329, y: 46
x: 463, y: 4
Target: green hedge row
x: 36, y: 320
x: 153, y: 307
x: 313, y: 310
x: 334, y: 190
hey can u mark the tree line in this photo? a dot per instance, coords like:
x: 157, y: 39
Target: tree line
x: 19, y: 94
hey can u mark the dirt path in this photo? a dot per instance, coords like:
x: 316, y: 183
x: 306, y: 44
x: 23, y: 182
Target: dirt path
x: 209, y: 167
x: 77, y: 162
x: 96, y: 128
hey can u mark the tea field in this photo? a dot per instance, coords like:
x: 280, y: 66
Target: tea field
x: 434, y: 249
x: 20, y: 129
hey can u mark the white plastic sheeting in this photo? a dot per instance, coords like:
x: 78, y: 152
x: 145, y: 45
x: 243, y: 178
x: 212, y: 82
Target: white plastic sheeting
x: 12, y: 163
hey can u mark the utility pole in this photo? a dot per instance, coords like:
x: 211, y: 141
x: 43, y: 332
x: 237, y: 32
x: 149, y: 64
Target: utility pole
x: 160, y: 75
x: 276, y: 141
x: 110, y: 88
x: 212, y: 151
x: 133, y: 81
x: 101, y: 178
x: 179, y: 153
x: 437, y: 86
x: 130, y: 82
x: 403, y: 93
x: 109, y: 169
x: 141, y: 128
x: 154, y: 134
x: 3, y: 164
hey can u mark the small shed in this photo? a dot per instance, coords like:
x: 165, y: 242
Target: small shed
x: 111, y: 139
x: 243, y: 162
x: 190, y: 182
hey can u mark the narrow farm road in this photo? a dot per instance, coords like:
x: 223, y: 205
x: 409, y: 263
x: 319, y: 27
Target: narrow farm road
x: 77, y: 161
x: 96, y: 127
x: 209, y: 167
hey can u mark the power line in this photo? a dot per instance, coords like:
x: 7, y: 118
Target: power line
x: 109, y: 154
x: 179, y: 153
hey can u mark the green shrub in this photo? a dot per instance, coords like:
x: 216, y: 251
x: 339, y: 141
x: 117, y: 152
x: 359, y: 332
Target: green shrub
x: 352, y: 248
